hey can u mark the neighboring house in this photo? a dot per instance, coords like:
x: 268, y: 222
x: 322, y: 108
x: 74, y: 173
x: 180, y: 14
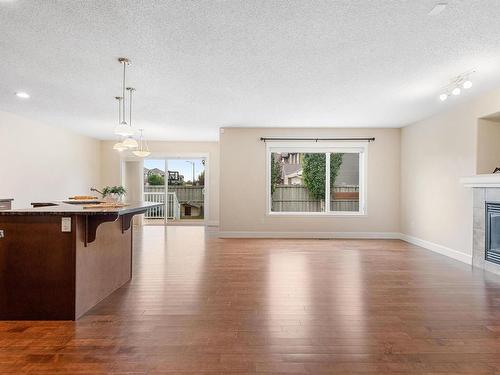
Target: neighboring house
x: 291, y: 174
x: 290, y: 158
x: 291, y: 169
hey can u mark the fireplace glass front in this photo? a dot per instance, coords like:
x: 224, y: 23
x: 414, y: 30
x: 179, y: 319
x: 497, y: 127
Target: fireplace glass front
x: 493, y: 232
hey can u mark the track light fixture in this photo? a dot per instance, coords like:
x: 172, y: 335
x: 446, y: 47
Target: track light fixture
x: 456, y: 85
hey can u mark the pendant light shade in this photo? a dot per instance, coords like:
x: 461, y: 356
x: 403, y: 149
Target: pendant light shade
x: 124, y: 130
x: 141, y: 154
x: 143, y: 150
x: 130, y: 142
x: 118, y: 146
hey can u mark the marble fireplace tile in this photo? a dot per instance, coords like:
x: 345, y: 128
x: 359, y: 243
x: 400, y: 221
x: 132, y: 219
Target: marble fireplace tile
x: 479, y: 197
x: 478, y: 243
x: 482, y: 195
x: 479, y: 218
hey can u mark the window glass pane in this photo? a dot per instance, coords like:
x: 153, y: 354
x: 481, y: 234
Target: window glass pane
x: 344, y: 182
x: 298, y: 182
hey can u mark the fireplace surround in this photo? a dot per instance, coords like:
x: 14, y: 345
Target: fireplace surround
x: 486, y: 197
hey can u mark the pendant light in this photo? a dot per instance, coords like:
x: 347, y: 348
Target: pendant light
x: 124, y: 129
x: 143, y: 150
x: 118, y: 146
x: 130, y: 142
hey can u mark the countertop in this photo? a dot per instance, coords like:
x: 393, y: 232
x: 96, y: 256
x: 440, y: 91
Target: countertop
x: 6, y: 199
x: 61, y: 208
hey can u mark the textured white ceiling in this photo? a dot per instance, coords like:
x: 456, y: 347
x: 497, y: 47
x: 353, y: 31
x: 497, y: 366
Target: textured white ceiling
x: 200, y: 65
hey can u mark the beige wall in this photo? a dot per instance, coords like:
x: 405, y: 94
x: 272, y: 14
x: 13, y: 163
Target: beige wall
x: 243, y: 184
x: 435, y: 153
x: 40, y: 162
x: 488, y: 146
x: 111, y: 166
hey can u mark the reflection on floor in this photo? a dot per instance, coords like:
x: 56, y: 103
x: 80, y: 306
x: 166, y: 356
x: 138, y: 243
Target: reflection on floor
x: 181, y: 222
x: 201, y: 305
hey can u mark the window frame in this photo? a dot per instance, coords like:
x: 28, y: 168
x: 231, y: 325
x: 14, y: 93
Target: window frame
x: 321, y: 147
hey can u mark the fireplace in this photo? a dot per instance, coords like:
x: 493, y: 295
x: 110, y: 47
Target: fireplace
x: 485, y: 221
x: 492, y: 240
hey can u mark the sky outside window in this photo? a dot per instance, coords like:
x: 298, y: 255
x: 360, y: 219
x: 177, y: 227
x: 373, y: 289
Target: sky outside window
x: 179, y: 165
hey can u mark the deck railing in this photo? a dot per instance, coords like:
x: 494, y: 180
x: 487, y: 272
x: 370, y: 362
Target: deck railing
x: 178, y: 195
x: 173, y: 205
x: 184, y: 193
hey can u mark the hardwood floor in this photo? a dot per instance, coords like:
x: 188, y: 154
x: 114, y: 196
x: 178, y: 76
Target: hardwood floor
x: 216, y: 306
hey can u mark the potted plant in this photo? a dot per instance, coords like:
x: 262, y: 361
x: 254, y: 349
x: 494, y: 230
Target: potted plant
x: 114, y: 193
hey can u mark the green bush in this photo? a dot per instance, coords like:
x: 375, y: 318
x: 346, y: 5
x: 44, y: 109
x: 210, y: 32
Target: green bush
x: 275, y: 173
x: 335, y: 163
x: 156, y: 179
x: 314, y: 172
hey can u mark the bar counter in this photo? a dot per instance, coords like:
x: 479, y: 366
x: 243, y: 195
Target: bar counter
x: 60, y: 259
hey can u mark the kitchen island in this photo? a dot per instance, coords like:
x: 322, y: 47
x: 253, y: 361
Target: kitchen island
x: 59, y: 259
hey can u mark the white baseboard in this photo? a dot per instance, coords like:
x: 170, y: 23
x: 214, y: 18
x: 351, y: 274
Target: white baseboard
x: 347, y: 235
x: 440, y: 249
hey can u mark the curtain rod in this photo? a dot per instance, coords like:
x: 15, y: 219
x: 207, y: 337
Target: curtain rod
x: 371, y: 139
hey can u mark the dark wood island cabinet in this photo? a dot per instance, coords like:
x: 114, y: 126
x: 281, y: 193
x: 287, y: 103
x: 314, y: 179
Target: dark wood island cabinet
x: 58, y: 260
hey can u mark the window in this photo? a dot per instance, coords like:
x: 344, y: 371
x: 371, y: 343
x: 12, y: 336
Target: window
x: 316, y: 178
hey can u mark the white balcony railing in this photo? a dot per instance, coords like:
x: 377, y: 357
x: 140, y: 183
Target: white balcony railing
x: 173, y: 205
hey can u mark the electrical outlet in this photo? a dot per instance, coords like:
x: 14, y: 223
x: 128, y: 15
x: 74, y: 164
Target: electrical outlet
x: 65, y: 224
x: 2, y: 233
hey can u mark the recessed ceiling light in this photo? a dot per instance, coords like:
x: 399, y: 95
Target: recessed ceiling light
x: 443, y: 97
x: 438, y: 8
x: 456, y: 91
x: 22, y: 94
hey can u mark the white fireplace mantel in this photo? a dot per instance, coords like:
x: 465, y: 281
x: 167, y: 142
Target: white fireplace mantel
x: 482, y: 181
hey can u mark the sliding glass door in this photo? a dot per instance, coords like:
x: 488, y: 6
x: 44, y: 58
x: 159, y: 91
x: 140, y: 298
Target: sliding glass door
x: 179, y: 183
